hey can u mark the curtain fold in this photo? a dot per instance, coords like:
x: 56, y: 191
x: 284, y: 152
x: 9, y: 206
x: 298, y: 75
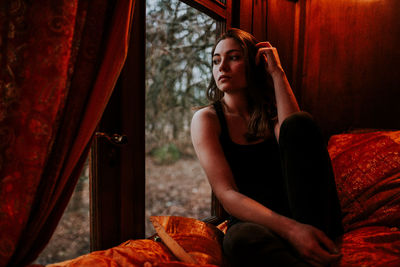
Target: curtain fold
x: 59, y: 64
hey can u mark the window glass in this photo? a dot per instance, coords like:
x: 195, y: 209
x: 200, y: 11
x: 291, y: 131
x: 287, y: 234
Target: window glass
x: 179, y: 40
x: 72, y: 235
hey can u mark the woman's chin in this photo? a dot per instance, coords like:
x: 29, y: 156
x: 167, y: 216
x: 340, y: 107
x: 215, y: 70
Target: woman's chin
x: 229, y: 89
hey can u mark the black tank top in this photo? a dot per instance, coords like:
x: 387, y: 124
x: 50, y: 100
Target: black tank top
x: 256, y: 168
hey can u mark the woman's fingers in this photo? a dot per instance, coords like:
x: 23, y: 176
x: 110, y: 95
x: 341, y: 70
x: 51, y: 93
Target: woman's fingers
x: 262, y: 47
x: 324, y: 251
x: 327, y: 242
x: 263, y: 44
x: 322, y: 256
x: 318, y: 249
x: 260, y: 54
x: 319, y: 257
x: 265, y: 52
x: 271, y: 57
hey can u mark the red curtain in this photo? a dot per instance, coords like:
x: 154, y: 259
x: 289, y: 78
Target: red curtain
x: 59, y: 63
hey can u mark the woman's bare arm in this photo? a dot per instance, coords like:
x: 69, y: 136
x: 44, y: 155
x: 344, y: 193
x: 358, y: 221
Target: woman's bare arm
x: 205, y: 137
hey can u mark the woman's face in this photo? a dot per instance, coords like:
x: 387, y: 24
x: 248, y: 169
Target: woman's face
x: 229, y: 67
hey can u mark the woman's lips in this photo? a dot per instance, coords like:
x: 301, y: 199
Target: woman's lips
x: 223, y: 77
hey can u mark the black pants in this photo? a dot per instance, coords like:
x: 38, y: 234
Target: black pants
x: 311, y: 193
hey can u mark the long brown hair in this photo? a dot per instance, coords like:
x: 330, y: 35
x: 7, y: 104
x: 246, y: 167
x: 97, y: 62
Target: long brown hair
x: 260, y: 90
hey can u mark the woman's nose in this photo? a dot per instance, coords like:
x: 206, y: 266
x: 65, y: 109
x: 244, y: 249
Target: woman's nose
x: 223, y: 66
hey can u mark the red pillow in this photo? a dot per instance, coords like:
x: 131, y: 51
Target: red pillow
x: 367, y: 174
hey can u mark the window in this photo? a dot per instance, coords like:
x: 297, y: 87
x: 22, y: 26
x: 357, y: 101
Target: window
x: 118, y: 183
x: 179, y: 40
x: 71, y: 237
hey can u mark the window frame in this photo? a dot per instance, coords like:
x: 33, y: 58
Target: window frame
x: 117, y: 180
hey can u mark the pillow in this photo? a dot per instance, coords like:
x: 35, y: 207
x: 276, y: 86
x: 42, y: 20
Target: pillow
x: 201, y: 240
x: 367, y: 174
x: 129, y: 253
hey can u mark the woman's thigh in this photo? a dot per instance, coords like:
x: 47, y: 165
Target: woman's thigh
x: 308, y: 175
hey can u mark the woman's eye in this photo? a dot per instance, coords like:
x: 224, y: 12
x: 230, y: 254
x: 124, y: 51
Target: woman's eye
x: 215, y: 61
x: 234, y: 57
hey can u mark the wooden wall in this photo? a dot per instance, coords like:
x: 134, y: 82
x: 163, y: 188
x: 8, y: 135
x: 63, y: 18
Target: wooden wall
x: 251, y: 16
x: 342, y: 58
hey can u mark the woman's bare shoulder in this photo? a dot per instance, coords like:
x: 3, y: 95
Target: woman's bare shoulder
x: 207, y: 113
x: 206, y: 119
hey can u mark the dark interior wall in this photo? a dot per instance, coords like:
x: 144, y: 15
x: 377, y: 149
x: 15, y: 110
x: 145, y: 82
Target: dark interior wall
x: 342, y: 58
x: 251, y: 16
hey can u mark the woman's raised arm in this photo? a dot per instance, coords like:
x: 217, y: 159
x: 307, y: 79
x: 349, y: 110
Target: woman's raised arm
x: 285, y: 100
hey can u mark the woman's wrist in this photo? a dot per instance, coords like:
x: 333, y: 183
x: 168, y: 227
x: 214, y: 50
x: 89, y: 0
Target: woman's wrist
x: 278, y: 73
x: 287, y: 227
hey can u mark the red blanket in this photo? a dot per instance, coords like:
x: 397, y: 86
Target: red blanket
x: 367, y: 173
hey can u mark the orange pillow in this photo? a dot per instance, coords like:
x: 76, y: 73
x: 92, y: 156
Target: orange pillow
x: 201, y: 240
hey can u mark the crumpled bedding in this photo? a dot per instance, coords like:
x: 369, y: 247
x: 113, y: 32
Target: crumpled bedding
x: 367, y: 173
x: 375, y: 246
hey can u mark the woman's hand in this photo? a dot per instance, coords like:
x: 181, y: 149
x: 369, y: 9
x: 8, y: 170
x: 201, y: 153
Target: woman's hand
x: 270, y: 56
x: 313, y: 245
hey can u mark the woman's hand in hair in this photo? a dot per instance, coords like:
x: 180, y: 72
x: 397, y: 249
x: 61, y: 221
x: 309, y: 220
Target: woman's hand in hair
x: 286, y: 102
x: 269, y: 55
x: 313, y: 245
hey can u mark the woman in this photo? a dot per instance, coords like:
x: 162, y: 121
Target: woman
x: 265, y: 160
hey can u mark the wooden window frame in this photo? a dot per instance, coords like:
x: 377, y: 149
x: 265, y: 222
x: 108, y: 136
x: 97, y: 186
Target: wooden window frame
x: 117, y: 183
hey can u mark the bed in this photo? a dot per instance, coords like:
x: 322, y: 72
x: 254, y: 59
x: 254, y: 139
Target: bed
x: 367, y: 173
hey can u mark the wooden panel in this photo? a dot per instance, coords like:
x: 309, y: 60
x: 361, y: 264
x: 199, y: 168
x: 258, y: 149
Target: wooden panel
x: 351, y: 64
x: 117, y: 184
x: 246, y: 15
x: 281, y: 32
x: 104, y: 195
x: 260, y: 19
x: 132, y: 187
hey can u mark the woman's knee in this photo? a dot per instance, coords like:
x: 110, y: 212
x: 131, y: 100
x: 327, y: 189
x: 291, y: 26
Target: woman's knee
x: 244, y: 237
x: 249, y: 244
x: 297, y: 127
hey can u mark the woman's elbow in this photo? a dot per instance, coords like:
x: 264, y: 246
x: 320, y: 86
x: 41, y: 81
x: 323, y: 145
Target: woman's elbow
x: 228, y: 199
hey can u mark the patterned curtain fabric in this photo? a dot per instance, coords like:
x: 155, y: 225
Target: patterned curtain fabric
x: 59, y: 63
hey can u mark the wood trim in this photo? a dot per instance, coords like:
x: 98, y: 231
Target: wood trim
x: 221, y: 12
x: 259, y: 18
x: 299, y: 33
x: 229, y: 14
x: 95, y: 222
x: 280, y: 32
x: 104, y: 197
x: 117, y: 179
x: 132, y: 190
x: 246, y: 16
x: 214, y: 9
